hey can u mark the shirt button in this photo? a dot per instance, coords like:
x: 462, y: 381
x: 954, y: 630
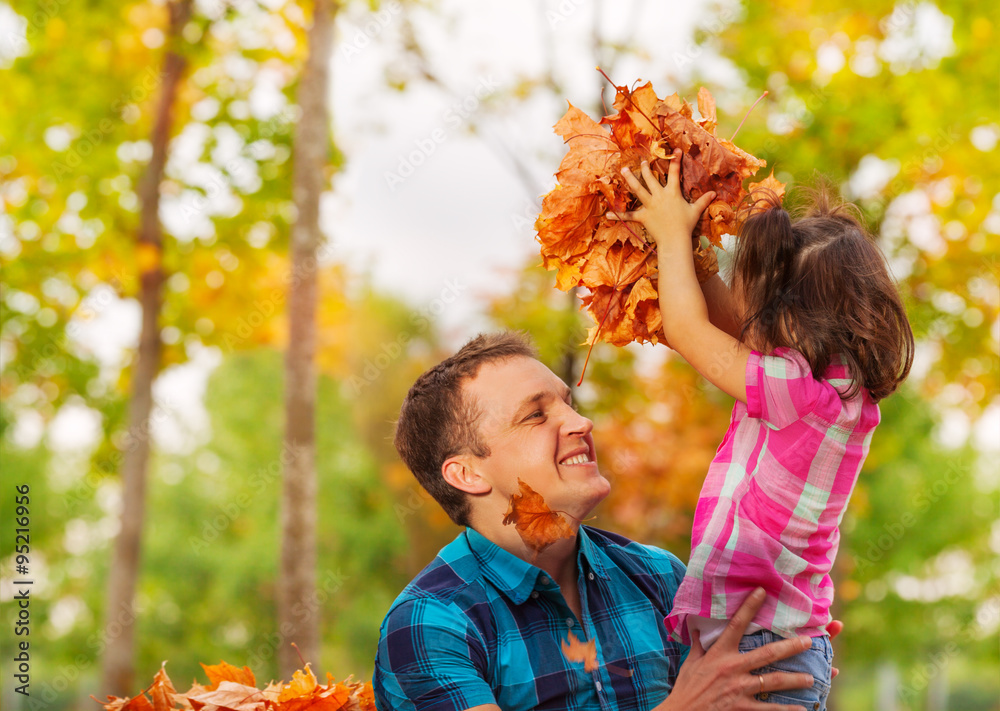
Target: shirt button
x: 534, y: 593
x: 569, y: 622
x: 597, y: 685
x: 590, y: 576
x: 545, y: 580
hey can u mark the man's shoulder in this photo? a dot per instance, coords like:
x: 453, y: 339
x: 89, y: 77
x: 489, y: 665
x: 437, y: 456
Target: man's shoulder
x: 453, y: 574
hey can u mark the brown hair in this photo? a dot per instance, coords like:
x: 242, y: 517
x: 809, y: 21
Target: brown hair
x: 436, y: 422
x: 820, y: 284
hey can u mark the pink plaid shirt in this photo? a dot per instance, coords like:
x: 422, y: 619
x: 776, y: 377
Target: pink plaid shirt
x: 770, y: 509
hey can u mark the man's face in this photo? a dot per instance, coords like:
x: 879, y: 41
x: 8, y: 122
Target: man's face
x: 533, y: 433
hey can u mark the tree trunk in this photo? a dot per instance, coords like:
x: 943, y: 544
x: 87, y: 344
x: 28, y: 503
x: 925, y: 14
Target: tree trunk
x: 120, y: 615
x: 298, y: 606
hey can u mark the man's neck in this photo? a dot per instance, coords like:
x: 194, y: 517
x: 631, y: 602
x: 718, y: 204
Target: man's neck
x: 560, y: 561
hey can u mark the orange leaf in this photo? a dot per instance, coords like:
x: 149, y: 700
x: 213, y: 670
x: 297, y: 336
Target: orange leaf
x: 538, y: 525
x: 577, y: 651
x: 303, y: 683
x: 223, y: 671
x: 163, y: 693
x: 768, y: 191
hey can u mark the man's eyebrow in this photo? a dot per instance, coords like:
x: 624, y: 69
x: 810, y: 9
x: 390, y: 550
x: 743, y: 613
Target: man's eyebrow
x: 532, y: 400
x: 529, y: 402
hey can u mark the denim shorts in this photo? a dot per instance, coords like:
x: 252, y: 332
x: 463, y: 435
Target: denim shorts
x: 817, y: 661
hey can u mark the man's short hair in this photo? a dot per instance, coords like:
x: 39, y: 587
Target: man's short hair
x: 437, y: 422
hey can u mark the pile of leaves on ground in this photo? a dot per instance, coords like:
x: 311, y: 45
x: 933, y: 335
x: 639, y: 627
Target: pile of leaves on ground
x: 234, y: 689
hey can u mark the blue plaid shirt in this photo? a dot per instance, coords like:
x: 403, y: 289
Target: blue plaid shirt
x: 482, y: 626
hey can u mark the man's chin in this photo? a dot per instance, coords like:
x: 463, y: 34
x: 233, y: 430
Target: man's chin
x: 592, y: 492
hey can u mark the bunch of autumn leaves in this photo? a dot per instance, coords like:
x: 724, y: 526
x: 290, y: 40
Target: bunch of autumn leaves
x: 235, y: 689
x: 614, y: 259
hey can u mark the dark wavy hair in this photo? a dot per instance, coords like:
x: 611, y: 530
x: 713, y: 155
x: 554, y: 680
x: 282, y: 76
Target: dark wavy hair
x: 436, y: 420
x: 820, y: 284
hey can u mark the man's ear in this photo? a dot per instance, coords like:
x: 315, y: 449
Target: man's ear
x: 458, y: 472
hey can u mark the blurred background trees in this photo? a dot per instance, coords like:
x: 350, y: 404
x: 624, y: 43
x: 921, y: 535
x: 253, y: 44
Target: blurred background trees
x: 895, y: 103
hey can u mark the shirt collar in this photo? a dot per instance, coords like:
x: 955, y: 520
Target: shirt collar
x: 591, y: 553
x: 517, y: 578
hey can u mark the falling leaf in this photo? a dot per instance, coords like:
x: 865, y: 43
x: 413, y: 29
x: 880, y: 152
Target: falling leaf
x: 613, y: 259
x: 538, y: 525
x: 577, y: 651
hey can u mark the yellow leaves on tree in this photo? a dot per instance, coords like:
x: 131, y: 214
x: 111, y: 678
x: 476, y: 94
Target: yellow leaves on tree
x: 614, y: 259
x: 234, y: 689
x: 538, y: 525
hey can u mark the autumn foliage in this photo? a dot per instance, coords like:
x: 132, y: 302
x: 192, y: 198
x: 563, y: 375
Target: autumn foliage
x: 235, y: 689
x: 613, y: 259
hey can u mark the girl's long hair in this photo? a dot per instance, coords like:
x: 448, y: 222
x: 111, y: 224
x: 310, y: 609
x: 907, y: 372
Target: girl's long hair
x: 820, y: 284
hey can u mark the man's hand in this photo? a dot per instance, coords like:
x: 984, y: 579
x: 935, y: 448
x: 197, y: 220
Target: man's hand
x: 833, y: 629
x: 720, y: 679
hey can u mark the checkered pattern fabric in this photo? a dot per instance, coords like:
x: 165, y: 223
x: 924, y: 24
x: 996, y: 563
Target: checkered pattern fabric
x: 482, y: 626
x: 770, y: 509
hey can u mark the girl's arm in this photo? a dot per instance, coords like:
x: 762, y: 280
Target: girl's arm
x: 669, y: 219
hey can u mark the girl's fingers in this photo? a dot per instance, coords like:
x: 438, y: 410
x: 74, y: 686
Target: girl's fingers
x: 674, y: 171
x: 623, y: 216
x: 637, y: 188
x: 647, y: 175
x: 701, y: 203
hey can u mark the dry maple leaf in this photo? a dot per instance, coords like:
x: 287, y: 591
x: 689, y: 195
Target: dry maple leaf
x: 614, y: 260
x: 537, y: 524
x: 577, y: 651
x: 229, y: 695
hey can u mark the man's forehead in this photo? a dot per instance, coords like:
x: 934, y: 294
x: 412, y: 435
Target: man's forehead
x: 502, y: 386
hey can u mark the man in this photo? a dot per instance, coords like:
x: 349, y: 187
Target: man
x: 483, y: 628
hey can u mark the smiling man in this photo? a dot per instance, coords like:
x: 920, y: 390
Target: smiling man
x: 481, y: 627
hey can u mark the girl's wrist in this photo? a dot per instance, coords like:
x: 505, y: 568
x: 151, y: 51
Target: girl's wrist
x: 673, y: 241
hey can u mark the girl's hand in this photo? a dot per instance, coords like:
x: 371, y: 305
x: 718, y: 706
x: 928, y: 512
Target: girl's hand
x: 666, y: 215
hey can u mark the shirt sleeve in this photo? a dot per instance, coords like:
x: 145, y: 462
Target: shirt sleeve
x: 780, y: 387
x: 430, y: 659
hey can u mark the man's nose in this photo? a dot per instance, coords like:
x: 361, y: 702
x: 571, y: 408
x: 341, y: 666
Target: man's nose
x: 576, y: 424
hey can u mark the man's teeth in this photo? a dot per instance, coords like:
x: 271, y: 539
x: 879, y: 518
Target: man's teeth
x: 578, y: 459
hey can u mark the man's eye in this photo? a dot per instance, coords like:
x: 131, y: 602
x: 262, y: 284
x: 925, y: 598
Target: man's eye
x: 536, y: 413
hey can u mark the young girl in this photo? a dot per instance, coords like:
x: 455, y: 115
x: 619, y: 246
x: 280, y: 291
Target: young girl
x: 812, y: 335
